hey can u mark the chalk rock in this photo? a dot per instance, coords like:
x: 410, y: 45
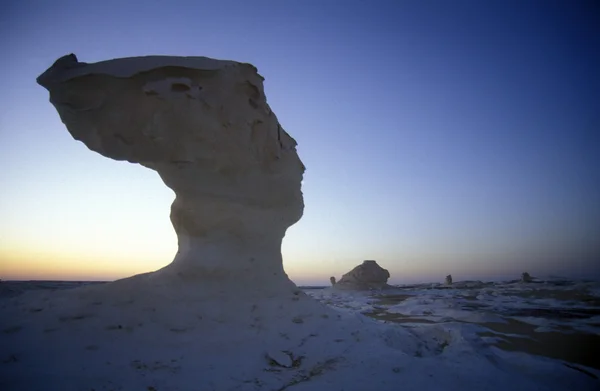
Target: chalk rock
x: 449, y: 279
x: 279, y: 358
x: 332, y: 280
x: 525, y: 277
x: 368, y: 275
x: 205, y: 126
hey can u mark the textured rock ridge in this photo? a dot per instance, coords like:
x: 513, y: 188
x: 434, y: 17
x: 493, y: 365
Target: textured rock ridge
x: 205, y: 126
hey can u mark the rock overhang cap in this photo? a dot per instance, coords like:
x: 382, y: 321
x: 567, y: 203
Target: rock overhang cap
x: 68, y: 67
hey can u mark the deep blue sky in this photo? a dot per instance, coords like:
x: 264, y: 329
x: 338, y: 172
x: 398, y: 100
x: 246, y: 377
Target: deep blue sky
x: 439, y: 137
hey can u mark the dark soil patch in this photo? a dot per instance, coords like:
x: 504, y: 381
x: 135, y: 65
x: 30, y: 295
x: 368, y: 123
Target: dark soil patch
x: 473, y: 306
x: 395, y: 318
x: 579, y: 348
x: 391, y: 299
x: 582, y: 371
x: 554, y: 313
x: 581, y: 296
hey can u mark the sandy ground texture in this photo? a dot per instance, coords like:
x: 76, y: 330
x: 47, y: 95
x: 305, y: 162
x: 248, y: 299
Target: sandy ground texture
x: 555, y: 318
x: 471, y: 335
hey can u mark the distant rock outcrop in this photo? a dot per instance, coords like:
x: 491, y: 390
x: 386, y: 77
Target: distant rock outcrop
x: 449, y: 279
x: 525, y: 277
x: 332, y: 280
x: 368, y: 275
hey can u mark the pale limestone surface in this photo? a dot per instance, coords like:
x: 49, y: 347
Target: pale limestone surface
x: 205, y: 126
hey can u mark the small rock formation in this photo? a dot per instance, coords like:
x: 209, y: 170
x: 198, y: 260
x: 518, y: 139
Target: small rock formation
x: 332, y: 280
x: 525, y: 277
x: 449, y: 279
x: 368, y: 275
x: 280, y: 358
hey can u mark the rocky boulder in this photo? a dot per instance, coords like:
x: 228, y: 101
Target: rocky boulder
x: 526, y: 277
x: 368, y: 275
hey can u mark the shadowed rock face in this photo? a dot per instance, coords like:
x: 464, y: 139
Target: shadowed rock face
x: 205, y: 126
x: 368, y: 275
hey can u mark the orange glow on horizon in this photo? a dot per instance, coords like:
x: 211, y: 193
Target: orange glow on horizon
x: 29, y: 264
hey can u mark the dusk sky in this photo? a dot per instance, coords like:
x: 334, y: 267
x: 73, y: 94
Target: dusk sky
x: 439, y: 137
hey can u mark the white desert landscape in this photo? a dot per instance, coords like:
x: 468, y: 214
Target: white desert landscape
x: 224, y: 315
x: 472, y: 335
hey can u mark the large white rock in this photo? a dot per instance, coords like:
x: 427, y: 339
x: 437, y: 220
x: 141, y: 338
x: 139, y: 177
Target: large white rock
x: 204, y: 125
x: 223, y: 315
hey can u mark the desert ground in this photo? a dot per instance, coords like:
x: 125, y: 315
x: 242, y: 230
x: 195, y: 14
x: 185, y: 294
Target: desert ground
x: 554, y: 319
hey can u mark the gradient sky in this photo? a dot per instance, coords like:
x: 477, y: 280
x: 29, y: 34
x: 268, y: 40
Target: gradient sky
x: 439, y: 137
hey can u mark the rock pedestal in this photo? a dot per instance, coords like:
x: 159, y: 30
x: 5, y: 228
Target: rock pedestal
x: 205, y: 126
x: 224, y: 303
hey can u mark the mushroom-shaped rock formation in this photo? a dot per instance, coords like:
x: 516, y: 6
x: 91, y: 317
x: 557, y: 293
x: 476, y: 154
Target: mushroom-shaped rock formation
x: 449, y: 279
x: 223, y: 315
x: 368, y: 275
x: 224, y: 302
x: 332, y: 280
x: 204, y: 125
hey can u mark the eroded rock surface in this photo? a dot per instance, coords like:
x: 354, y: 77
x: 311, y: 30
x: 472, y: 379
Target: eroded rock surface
x: 368, y: 275
x: 205, y: 126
